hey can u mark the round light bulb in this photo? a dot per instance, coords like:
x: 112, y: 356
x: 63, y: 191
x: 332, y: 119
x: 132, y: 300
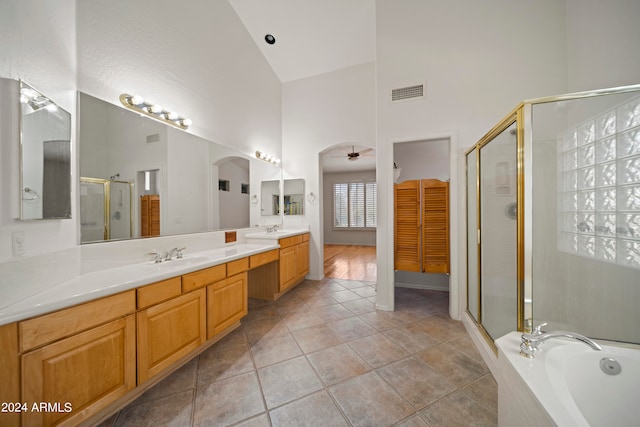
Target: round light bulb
x: 156, y: 108
x: 173, y: 115
x: 136, y: 100
x: 186, y: 122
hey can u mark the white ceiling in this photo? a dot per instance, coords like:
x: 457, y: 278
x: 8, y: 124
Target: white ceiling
x: 314, y: 37
x: 336, y: 160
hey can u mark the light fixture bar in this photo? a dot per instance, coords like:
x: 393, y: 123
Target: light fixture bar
x: 155, y: 111
x: 267, y: 158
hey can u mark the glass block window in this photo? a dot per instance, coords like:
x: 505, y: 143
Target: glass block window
x: 599, y: 191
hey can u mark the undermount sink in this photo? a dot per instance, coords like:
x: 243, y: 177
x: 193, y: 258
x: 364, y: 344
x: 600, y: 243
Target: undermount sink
x: 181, y: 262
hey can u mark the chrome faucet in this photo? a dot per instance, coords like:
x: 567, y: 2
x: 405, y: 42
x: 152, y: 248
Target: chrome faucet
x: 169, y: 254
x: 530, y: 342
x: 272, y: 229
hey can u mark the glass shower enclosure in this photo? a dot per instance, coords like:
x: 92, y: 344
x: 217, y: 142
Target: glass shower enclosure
x: 553, y: 217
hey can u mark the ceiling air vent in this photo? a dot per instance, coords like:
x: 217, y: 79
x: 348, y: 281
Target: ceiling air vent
x: 408, y: 92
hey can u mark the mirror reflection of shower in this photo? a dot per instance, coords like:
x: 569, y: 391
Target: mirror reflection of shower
x: 106, y: 209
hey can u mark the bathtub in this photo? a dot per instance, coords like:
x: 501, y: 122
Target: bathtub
x: 564, y: 385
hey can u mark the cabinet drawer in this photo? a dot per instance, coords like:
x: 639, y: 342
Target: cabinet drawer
x: 51, y: 327
x: 263, y: 258
x: 158, y: 292
x: 305, y: 237
x: 204, y: 277
x: 237, y: 266
x: 290, y: 241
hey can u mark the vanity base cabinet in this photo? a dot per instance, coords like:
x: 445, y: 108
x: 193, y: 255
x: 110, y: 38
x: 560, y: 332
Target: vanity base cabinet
x: 287, y: 267
x: 10, y: 373
x: 78, y: 376
x: 302, y: 259
x: 169, y: 331
x: 227, y: 303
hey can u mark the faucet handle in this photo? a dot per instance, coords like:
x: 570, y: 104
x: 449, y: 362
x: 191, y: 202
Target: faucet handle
x: 158, y: 256
x: 538, y: 329
x: 179, y: 251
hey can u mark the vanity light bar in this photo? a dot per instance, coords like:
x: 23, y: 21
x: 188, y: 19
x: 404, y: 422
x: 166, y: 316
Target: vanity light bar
x: 267, y: 157
x: 155, y: 111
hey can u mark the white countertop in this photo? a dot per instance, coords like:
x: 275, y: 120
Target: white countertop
x: 275, y: 235
x: 23, y: 300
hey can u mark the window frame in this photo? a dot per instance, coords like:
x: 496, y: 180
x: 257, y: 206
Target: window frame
x: 348, y: 183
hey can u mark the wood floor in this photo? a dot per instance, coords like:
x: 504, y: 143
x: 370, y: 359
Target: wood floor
x: 350, y: 262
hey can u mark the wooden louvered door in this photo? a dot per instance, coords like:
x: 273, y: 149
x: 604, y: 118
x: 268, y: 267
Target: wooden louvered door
x: 150, y: 215
x: 407, y: 226
x: 435, y: 226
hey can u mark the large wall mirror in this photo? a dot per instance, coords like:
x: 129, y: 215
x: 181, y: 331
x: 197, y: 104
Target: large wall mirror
x: 45, y: 153
x: 143, y: 178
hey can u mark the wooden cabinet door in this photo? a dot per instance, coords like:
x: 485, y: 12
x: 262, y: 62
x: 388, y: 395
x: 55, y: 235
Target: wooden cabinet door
x: 81, y: 374
x: 227, y: 303
x: 287, y: 267
x: 435, y: 226
x: 407, y: 226
x: 169, y: 331
x: 302, y: 260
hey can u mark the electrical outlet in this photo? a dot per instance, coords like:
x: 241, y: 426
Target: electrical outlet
x: 17, y: 243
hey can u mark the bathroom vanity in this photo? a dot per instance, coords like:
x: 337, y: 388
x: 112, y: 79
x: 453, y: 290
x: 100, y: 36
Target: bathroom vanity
x: 136, y: 325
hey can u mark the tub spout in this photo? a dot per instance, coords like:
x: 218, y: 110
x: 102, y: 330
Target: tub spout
x: 530, y: 342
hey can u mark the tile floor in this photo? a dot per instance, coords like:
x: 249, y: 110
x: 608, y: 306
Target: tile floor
x: 323, y: 356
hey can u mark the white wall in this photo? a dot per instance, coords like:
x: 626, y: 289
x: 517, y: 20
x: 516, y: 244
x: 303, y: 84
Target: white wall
x: 478, y: 60
x: 344, y: 237
x: 37, y: 41
x: 602, y: 40
x: 318, y: 113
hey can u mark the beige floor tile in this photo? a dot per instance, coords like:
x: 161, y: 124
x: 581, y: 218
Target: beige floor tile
x: 287, y: 381
x: 338, y: 363
x: 367, y: 400
x: 301, y: 319
x: 316, y: 338
x: 411, y: 338
x: 261, y: 420
x: 273, y: 350
x: 315, y: 410
x: 219, y: 362
x: 265, y: 329
x: 417, y: 383
x: 438, y: 328
x: 461, y: 370
x: 330, y: 313
x: 342, y: 296
x: 365, y: 291
x: 382, y: 320
x: 351, y: 328
x: 228, y: 401
x: 174, y: 410
x: 321, y: 298
x: 378, y: 350
x: 331, y: 287
x: 183, y: 379
x: 484, y: 391
x: 414, y: 421
x: 359, y: 306
x: 261, y: 312
x: 458, y: 410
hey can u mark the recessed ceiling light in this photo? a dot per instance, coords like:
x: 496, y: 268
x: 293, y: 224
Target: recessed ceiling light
x: 269, y: 39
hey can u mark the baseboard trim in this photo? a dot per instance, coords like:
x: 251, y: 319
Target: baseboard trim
x: 426, y: 287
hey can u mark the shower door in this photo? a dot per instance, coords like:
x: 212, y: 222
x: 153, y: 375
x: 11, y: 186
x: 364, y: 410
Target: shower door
x: 473, y: 256
x: 120, y: 226
x: 499, y: 233
x: 93, y: 221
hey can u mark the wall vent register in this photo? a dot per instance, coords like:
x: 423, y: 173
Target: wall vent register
x: 408, y: 92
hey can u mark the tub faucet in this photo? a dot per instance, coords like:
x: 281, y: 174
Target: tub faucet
x: 530, y: 342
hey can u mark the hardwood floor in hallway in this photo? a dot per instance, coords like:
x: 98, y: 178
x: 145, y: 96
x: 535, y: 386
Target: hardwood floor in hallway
x: 350, y: 262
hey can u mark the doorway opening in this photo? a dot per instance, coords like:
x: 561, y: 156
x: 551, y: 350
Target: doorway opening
x: 349, y: 212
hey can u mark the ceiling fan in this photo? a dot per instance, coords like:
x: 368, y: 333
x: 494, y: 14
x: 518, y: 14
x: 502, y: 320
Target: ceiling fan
x: 355, y: 155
